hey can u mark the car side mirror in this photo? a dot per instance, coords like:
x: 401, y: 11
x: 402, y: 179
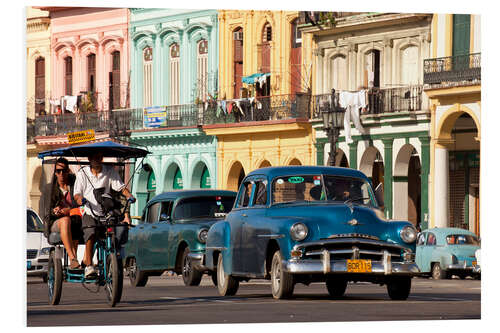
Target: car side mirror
x: 379, y: 195
x: 164, y: 217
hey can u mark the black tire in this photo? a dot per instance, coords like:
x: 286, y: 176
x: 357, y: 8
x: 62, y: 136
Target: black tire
x: 399, y: 288
x: 226, y: 284
x: 190, y: 276
x: 282, y: 283
x: 137, y: 277
x: 54, y: 278
x: 114, y: 279
x: 336, y: 287
x: 213, y: 276
x: 437, y: 272
x: 45, y: 278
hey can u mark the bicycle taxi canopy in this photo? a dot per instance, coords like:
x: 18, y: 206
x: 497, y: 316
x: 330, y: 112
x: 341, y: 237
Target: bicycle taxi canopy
x: 107, y: 148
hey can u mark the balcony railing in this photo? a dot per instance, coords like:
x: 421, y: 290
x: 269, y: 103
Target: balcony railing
x: 453, y: 69
x: 278, y: 107
x: 379, y: 100
x: 321, y: 17
x: 116, y: 122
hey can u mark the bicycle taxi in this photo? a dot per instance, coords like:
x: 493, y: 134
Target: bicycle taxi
x: 111, y: 233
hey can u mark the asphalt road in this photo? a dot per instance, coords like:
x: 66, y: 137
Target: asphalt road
x: 165, y: 300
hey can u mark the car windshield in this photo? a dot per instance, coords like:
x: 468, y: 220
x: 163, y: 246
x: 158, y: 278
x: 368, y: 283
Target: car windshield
x: 311, y: 188
x: 203, y: 207
x: 462, y: 240
x: 34, y: 223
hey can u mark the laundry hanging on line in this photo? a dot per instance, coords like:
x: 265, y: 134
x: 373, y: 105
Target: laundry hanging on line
x: 352, y: 102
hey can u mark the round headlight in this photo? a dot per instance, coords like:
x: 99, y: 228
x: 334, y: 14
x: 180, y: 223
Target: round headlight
x: 408, y: 234
x: 202, y: 235
x: 45, y: 251
x: 298, y: 231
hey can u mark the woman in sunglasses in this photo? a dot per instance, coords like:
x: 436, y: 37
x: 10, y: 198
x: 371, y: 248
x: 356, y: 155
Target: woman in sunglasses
x: 61, y: 203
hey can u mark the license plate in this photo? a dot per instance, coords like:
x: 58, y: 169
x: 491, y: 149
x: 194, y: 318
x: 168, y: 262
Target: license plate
x: 29, y: 264
x: 359, y: 266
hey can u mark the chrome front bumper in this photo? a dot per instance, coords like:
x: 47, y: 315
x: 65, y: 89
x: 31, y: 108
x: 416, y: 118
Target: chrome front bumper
x: 327, y: 266
x: 197, y: 261
x: 464, y: 267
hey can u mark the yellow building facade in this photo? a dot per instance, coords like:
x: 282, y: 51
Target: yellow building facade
x: 262, y: 44
x: 452, y: 79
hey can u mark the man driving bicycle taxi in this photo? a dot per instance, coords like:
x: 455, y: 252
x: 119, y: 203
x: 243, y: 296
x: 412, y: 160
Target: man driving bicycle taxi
x: 89, y: 178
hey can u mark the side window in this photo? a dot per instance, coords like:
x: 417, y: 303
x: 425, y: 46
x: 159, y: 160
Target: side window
x: 152, y: 214
x: 431, y: 239
x: 166, y: 209
x: 421, y: 239
x: 260, y: 197
x: 244, y: 195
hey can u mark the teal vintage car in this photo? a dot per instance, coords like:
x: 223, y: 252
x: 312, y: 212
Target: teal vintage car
x: 305, y: 224
x: 172, y: 234
x: 443, y: 252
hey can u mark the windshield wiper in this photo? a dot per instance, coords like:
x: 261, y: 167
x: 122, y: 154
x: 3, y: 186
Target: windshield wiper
x: 293, y: 202
x: 355, y: 199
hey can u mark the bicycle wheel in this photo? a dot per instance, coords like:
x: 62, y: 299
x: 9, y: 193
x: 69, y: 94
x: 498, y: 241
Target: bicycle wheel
x: 54, y: 278
x: 114, y: 279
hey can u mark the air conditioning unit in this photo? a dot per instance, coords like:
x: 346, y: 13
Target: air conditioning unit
x: 238, y: 35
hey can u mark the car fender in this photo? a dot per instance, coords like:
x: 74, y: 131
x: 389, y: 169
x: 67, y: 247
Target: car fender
x: 218, y: 241
x: 441, y: 256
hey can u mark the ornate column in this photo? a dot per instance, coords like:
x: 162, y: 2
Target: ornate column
x: 424, y: 183
x: 441, y: 185
x: 388, y: 176
x: 319, y: 54
x: 156, y: 67
x: 320, y: 152
x: 388, y: 45
x: 352, y: 51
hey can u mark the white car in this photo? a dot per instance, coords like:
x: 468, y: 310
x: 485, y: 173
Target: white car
x: 37, y: 247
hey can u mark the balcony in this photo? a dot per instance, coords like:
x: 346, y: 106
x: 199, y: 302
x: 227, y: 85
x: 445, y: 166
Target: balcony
x: 277, y: 107
x: 116, y: 122
x: 452, y: 71
x: 402, y: 99
x: 322, y: 17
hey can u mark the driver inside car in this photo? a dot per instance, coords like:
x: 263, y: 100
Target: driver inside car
x: 89, y: 178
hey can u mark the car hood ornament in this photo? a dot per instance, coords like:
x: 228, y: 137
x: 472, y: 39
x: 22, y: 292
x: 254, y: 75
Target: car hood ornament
x: 353, y: 222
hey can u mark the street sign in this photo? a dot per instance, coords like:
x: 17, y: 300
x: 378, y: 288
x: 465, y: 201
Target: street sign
x: 81, y: 136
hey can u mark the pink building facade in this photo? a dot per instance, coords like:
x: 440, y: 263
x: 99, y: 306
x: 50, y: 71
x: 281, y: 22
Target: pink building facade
x: 90, y: 54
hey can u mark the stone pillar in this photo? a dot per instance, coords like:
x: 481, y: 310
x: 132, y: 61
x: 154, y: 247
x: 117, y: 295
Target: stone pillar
x: 388, y: 176
x: 320, y: 152
x: 156, y: 70
x: 320, y: 54
x: 353, y: 154
x: 441, y: 188
x: 424, y: 181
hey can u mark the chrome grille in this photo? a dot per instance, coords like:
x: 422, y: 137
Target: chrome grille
x: 31, y: 254
x: 352, y: 248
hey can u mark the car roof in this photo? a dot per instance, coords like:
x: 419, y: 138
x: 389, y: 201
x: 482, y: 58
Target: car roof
x: 449, y: 231
x: 191, y: 193
x: 277, y: 171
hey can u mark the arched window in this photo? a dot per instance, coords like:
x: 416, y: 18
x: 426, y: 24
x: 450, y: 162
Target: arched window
x: 265, y: 51
x: 202, y: 69
x: 114, y: 81
x: 147, y: 81
x: 372, y: 69
x: 39, y: 85
x: 409, y: 66
x: 296, y: 58
x: 339, y: 72
x: 174, y: 74
x: 91, y: 76
x: 237, y: 60
x: 68, y: 76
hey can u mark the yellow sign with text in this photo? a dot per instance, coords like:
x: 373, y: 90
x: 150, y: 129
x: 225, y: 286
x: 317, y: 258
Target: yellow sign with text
x: 82, y: 136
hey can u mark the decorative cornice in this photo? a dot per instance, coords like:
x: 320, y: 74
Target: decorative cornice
x: 37, y: 24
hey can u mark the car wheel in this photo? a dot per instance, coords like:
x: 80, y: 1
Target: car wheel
x: 213, y: 276
x: 190, y: 276
x: 399, y: 288
x: 226, y: 284
x: 281, y: 282
x: 336, y: 287
x: 45, y: 278
x: 137, y: 277
x: 437, y: 272
x: 54, y: 278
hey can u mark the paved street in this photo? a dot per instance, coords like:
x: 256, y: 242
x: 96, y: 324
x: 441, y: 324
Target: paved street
x: 165, y: 300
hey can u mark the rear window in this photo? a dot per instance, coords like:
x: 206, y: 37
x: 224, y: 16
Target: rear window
x: 203, y: 207
x: 34, y: 223
x: 462, y: 240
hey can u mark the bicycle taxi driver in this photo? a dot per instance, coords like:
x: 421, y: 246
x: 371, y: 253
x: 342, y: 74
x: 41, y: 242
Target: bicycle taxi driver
x: 88, y: 178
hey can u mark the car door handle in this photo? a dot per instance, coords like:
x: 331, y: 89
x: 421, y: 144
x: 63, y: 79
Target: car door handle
x: 244, y: 215
x: 141, y: 227
x: 153, y: 227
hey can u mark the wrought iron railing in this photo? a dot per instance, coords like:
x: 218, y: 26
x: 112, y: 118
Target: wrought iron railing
x: 321, y: 17
x: 117, y: 122
x: 388, y: 100
x: 277, y: 107
x: 453, y: 69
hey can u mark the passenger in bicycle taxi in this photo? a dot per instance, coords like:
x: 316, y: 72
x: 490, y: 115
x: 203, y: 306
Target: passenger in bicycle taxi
x: 89, y: 178
x: 61, y: 218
